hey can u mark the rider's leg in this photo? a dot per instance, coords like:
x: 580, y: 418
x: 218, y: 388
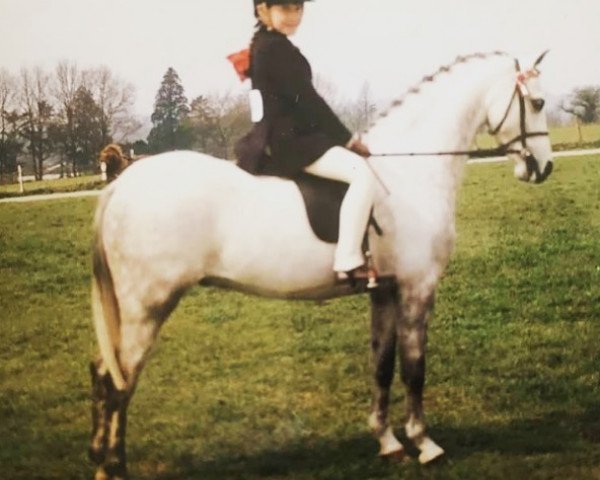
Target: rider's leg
x: 341, y: 164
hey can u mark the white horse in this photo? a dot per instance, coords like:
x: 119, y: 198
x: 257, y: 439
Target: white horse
x: 179, y: 219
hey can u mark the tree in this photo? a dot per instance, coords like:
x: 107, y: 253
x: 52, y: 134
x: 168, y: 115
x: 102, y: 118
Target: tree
x: 9, y: 142
x: 216, y: 121
x: 360, y: 113
x: 202, y: 121
x: 357, y: 114
x: 36, y: 117
x: 584, y: 103
x: 68, y: 80
x: 115, y: 99
x: 88, y: 129
x: 170, y: 109
x: 139, y: 147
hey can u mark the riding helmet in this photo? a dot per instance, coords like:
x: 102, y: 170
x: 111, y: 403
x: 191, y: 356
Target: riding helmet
x: 278, y: 2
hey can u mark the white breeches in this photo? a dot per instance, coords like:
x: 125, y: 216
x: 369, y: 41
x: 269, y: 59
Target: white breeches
x: 341, y: 164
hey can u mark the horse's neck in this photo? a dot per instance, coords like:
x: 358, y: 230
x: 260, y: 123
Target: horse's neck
x: 444, y: 115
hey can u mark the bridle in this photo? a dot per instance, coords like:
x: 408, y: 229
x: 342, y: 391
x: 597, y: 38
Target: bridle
x: 520, y: 92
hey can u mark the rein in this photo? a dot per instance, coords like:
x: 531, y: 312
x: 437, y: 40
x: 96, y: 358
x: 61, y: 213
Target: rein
x: 501, y: 150
x: 479, y: 153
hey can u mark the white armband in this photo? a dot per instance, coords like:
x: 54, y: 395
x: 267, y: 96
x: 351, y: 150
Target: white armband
x: 256, y: 105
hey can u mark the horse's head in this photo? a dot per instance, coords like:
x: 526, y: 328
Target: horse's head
x: 517, y: 120
x: 116, y: 161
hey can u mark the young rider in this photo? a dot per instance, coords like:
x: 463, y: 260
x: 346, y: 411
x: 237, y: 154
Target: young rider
x: 299, y: 130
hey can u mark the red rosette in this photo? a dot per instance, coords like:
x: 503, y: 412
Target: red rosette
x: 241, y: 63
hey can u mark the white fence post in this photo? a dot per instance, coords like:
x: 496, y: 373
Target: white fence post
x: 103, y: 171
x: 20, y: 178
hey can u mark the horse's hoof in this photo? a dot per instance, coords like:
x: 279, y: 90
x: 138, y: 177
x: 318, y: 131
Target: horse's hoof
x: 430, y: 454
x: 397, y: 456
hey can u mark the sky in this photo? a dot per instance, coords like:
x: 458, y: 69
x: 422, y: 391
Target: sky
x: 389, y: 44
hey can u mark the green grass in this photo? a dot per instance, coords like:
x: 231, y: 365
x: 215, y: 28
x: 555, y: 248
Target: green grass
x: 565, y: 137
x: 89, y: 182
x: 569, y: 133
x: 246, y: 388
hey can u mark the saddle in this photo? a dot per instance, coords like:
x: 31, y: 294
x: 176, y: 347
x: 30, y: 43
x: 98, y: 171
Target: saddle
x: 322, y: 199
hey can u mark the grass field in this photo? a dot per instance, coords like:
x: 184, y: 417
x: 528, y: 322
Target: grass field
x: 569, y: 133
x: 246, y: 388
x: 561, y: 137
x: 88, y: 182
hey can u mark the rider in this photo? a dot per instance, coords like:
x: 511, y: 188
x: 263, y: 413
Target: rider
x: 299, y: 131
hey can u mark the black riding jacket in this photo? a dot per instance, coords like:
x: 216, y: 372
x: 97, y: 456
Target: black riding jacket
x: 298, y: 126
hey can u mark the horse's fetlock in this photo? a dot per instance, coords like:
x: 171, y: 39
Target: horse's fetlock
x: 415, y: 430
x: 96, y: 454
x: 115, y: 465
x: 377, y: 423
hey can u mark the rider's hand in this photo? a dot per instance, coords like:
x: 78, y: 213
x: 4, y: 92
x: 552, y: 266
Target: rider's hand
x: 358, y: 147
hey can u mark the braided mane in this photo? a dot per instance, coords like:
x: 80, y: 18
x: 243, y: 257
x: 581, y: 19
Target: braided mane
x: 415, y: 89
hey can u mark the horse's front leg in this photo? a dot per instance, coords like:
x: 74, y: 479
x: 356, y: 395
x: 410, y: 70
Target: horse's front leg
x: 412, y: 337
x: 384, y: 313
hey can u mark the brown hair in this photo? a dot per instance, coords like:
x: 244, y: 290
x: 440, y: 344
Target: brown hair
x: 116, y: 161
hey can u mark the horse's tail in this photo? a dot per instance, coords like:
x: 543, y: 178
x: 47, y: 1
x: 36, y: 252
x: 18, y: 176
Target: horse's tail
x: 104, y: 300
x: 116, y: 161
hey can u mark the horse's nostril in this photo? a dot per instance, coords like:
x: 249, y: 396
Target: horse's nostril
x: 538, y: 104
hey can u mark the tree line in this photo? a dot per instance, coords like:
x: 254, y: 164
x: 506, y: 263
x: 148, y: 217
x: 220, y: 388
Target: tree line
x: 67, y: 114
x: 212, y: 123
x: 209, y: 123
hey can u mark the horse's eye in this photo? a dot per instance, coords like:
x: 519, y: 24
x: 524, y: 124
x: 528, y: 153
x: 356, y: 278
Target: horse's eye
x: 537, y: 104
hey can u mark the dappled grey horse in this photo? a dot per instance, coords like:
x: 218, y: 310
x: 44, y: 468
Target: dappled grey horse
x: 180, y: 219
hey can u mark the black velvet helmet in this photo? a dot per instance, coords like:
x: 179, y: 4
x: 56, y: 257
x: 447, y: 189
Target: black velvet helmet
x: 278, y: 2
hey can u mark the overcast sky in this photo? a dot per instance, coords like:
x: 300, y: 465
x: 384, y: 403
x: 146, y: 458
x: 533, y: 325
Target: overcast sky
x: 388, y: 43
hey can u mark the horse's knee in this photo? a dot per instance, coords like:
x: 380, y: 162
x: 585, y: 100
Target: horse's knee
x: 412, y: 372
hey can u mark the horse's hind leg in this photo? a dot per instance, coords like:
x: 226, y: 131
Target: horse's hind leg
x: 139, y: 328
x: 412, y: 337
x: 109, y: 411
x: 384, y: 314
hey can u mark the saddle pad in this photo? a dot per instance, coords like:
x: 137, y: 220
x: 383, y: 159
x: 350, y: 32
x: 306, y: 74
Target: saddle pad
x: 323, y: 199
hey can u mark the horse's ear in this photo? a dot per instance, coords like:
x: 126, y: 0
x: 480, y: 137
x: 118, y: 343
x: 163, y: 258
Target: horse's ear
x: 540, y: 58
